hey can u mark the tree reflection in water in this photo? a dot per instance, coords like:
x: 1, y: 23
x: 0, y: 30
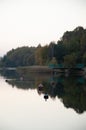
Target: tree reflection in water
x: 71, y: 90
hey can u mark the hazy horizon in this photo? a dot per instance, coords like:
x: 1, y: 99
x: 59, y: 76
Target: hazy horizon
x: 33, y: 22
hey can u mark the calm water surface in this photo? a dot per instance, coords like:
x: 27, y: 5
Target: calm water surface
x: 23, y: 107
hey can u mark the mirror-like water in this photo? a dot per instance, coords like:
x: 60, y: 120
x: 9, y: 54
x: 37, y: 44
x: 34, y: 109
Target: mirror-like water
x: 59, y: 105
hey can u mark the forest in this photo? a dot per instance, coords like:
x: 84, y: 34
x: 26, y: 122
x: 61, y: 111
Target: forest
x: 69, y: 51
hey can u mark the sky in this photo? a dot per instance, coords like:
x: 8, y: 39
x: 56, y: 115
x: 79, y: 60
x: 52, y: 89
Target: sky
x: 33, y: 22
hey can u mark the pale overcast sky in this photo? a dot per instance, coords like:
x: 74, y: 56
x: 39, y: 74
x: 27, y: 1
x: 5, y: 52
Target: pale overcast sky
x: 30, y: 22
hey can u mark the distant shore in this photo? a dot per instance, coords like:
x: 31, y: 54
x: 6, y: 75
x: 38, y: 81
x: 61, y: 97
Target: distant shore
x: 40, y: 69
x: 36, y: 68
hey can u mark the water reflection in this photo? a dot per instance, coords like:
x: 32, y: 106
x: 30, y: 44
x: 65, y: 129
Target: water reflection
x: 71, y: 90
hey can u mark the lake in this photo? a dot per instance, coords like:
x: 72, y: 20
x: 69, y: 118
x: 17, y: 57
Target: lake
x: 59, y: 105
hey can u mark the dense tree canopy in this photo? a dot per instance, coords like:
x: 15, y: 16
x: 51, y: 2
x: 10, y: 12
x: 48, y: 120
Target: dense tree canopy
x: 71, y: 48
x: 23, y: 56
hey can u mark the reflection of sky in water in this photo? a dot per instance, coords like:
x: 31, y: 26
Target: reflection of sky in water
x: 26, y: 110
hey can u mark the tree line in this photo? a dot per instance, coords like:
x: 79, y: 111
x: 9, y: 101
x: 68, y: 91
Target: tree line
x: 69, y: 50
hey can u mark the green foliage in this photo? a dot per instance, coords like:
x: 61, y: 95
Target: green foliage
x: 51, y: 50
x: 72, y: 39
x: 84, y: 58
x: 74, y: 43
x: 70, y: 60
x: 23, y: 56
x: 70, y: 50
x: 60, y: 51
